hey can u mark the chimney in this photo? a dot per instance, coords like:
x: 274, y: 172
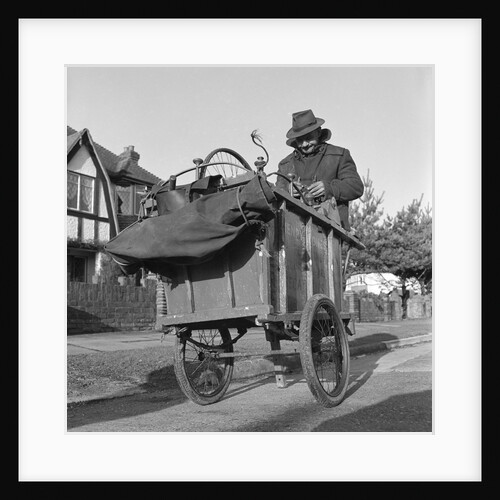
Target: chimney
x: 128, y: 158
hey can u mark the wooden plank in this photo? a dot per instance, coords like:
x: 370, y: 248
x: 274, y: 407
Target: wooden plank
x: 337, y: 273
x: 308, y: 257
x: 245, y: 271
x: 282, y: 268
x: 230, y: 282
x: 178, y: 292
x: 296, y: 260
x: 209, y: 285
x: 281, y: 317
x: 270, y: 284
x: 331, y: 279
x: 189, y: 287
x: 298, y: 207
x: 264, y: 270
x: 319, y: 257
x: 221, y: 314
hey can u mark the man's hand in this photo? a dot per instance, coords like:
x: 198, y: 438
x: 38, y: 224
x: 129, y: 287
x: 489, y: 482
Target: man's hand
x: 295, y: 191
x: 317, y: 189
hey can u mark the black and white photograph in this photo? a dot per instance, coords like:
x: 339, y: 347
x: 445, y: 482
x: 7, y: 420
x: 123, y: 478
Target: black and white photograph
x: 263, y: 228
x: 250, y: 249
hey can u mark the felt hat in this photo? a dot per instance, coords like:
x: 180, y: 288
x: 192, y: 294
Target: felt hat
x: 304, y: 122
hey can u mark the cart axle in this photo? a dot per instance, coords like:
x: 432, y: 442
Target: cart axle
x: 248, y: 354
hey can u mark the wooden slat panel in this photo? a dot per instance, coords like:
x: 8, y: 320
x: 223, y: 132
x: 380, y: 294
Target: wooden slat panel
x: 308, y: 257
x: 263, y: 311
x: 281, y: 264
x: 210, y: 288
x: 296, y: 257
x: 178, y: 293
x: 319, y: 257
x: 246, y: 271
x: 337, y: 273
x: 330, y: 249
x: 272, y: 271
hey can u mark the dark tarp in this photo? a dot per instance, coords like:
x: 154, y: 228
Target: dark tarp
x: 194, y: 233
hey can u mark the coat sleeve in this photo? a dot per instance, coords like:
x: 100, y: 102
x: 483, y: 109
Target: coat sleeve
x: 348, y: 186
x: 284, y: 168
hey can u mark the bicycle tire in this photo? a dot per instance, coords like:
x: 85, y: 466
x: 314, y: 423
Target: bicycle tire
x: 225, y: 162
x: 324, y: 351
x: 203, y: 377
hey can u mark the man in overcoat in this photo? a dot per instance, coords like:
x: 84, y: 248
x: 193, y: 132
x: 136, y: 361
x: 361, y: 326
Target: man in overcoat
x: 329, y: 171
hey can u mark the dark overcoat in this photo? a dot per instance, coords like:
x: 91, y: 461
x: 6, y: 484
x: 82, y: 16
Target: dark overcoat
x: 331, y: 164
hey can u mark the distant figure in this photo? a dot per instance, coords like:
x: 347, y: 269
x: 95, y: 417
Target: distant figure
x: 329, y: 171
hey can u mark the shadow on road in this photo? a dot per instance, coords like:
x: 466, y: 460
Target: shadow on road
x: 247, y: 385
x: 414, y: 412
x: 373, y: 338
x: 355, y: 380
x: 94, y: 412
x: 161, y: 391
x: 158, y: 392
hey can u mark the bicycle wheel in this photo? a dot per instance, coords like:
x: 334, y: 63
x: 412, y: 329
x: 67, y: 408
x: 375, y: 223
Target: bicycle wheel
x: 225, y: 162
x: 324, y: 351
x: 202, y: 375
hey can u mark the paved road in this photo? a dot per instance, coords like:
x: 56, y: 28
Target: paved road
x: 390, y: 391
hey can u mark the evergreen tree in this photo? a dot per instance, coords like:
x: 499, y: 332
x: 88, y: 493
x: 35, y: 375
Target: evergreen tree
x: 401, y: 245
x: 366, y: 223
x: 405, y: 247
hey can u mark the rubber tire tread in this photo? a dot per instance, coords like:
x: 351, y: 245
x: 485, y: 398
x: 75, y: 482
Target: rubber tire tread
x: 306, y: 355
x: 240, y: 158
x: 183, y: 379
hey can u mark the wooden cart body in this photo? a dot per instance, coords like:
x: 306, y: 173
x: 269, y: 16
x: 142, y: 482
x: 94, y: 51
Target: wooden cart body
x: 248, y: 284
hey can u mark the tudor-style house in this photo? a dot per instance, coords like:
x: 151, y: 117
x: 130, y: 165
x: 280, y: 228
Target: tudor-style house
x: 104, y: 194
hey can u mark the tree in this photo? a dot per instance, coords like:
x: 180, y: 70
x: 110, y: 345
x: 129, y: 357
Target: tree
x: 366, y: 223
x: 401, y: 245
x: 406, y: 247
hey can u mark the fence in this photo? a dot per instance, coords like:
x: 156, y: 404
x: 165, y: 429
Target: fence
x: 368, y: 308
x: 93, y: 308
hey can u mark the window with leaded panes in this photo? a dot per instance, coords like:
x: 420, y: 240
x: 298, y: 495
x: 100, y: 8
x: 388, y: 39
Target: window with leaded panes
x: 80, y: 192
x: 128, y: 198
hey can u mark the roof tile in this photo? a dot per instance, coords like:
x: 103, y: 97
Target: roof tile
x: 110, y: 162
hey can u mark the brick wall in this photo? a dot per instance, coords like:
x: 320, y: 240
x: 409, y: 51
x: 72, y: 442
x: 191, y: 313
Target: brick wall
x: 365, y: 308
x: 93, y: 308
x: 420, y: 307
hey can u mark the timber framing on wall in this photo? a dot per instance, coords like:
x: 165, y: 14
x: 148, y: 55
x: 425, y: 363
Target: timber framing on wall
x: 85, y: 139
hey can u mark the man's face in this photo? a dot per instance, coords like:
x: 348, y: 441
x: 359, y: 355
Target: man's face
x: 306, y: 143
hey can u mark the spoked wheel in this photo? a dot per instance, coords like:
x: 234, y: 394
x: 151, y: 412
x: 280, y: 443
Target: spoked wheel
x: 203, y: 376
x: 225, y: 162
x: 324, y: 351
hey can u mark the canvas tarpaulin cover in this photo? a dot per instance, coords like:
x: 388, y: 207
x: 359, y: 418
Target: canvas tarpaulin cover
x: 194, y: 233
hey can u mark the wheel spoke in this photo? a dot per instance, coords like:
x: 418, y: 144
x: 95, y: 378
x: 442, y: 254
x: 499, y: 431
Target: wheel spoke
x: 323, y: 342
x: 203, y: 376
x: 224, y: 162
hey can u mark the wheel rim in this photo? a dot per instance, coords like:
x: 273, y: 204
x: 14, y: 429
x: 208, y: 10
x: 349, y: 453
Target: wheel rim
x: 206, y: 372
x: 327, y: 352
x: 226, y: 163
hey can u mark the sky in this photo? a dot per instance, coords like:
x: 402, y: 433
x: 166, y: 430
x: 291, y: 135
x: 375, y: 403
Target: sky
x: 384, y: 115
